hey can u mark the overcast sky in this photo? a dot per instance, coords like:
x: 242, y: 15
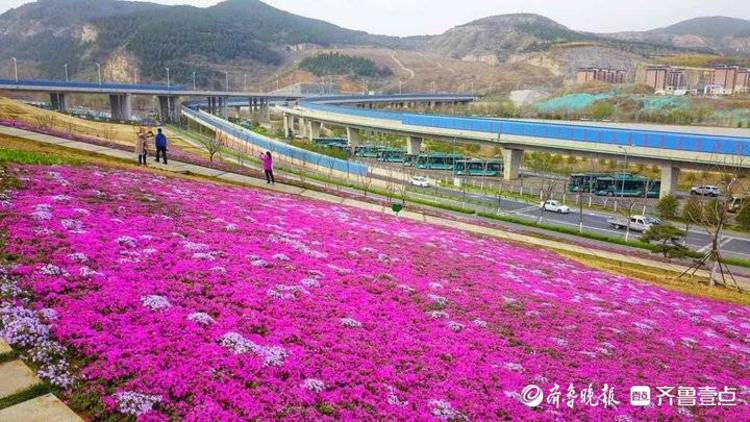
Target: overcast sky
x: 419, y: 17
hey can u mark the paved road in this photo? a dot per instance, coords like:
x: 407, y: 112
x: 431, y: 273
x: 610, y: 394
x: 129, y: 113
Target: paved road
x: 737, y: 245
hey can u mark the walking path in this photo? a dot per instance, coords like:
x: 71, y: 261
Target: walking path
x: 180, y: 167
x: 18, y: 380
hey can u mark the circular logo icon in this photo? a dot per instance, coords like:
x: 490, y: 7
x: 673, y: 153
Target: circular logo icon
x: 532, y: 395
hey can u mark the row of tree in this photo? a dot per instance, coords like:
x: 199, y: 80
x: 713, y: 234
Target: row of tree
x: 341, y: 64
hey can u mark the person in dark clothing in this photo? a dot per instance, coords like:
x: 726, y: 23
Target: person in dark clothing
x: 268, y: 166
x: 161, y: 146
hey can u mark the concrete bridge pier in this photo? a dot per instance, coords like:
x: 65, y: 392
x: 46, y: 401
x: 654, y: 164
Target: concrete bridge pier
x: 314, y: 129
x: 669, y: 177
x: 120, y: 106
x: 512, y: 163
x: 58, y: 101
x: 287, y: 126
x: 223, y: 107
x: 212, y: 105
x: 302, y: 123
x: 168, y: 108
x: 413, y: 145
x: 352, y: 136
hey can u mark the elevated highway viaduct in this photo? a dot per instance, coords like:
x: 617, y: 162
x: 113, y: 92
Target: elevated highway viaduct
x: 120, y: 95
x: 671, y: 149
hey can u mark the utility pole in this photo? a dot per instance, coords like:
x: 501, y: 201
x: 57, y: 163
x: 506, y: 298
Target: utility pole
x: 244, y: 82
x: 622, y: 191
x: 277, y: 81
x: 226, y: 81
x: 194, y: 83
x: 15, y: 67
x: 99, y: 72
x: 400, y: 87
x: 67, y: 79
x: 168, y: 81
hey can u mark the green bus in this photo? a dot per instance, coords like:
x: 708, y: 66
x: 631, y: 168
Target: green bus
x: 437, y: 161
x: 368, y: 151
x: 584, y: 182
x: 478, y: 168
x: 331, y: 142
x: 625, y: 184
x: 392, y: 155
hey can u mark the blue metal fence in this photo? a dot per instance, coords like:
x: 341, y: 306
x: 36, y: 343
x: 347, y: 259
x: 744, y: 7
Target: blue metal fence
x: 712, y: 144
x: 277, y: 147
x: 718, y: 144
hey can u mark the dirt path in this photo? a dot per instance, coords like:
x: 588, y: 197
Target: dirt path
x: 404, y: 68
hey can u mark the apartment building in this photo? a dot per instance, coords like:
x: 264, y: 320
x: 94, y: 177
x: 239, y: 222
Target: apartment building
x: 613, y: 76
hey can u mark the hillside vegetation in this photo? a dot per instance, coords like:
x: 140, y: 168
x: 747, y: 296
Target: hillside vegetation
x: 341, y: 64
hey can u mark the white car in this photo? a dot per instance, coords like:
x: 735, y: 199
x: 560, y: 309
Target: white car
x: 420, y: 181
x: 637, y: 223
x: 555, y: 206
x: 705, y: 190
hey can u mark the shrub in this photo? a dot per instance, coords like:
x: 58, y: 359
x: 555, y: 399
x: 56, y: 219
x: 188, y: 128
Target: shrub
x: 667, y: 207
x: 743, y: 217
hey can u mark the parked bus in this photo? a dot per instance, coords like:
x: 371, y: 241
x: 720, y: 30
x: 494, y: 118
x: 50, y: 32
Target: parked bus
x: 392, y: 155
x: 331, y: 142
x: 624, y: 184
x: 368, y: 151
x: 478, y: 167
x: 437, y: 161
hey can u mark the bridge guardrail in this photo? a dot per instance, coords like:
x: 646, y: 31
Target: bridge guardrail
x: 711, y: 144
x: 277, y: 147
x: 93, y: 85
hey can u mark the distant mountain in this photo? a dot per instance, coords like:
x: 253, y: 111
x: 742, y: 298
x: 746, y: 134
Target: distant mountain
x: 152, y: 37
x: 138, y: 40
x: 710, y: 27
x: 716, y: 34
x: 496, y: 38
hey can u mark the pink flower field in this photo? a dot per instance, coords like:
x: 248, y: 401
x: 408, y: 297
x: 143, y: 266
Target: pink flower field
x: 182, y: 299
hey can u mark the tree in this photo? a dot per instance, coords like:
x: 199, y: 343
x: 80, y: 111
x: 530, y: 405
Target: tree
x: 667, y: 207
x: 692, y: 208
x: 214, y: 145
x: 743, y: 216
x: 668, y: 240
x: 713, y: 216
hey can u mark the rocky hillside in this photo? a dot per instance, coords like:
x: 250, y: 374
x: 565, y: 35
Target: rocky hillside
x: 497, y: 38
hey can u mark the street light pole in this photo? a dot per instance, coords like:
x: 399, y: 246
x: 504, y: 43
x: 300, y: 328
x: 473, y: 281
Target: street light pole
x: 226, y: 81
x: 99, y: 72
x: 400, y: 87
x: 622, y: 189
x: 67, y: 79
x: 168, y: 81
x: 15, y: 67
x: 194, y: 83
x: 244, y: 82
x: 277, y: 81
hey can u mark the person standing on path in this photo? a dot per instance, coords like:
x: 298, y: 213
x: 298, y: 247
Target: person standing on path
x: 141, y: 147
x: 161, y: 145
x: 268, y: 166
